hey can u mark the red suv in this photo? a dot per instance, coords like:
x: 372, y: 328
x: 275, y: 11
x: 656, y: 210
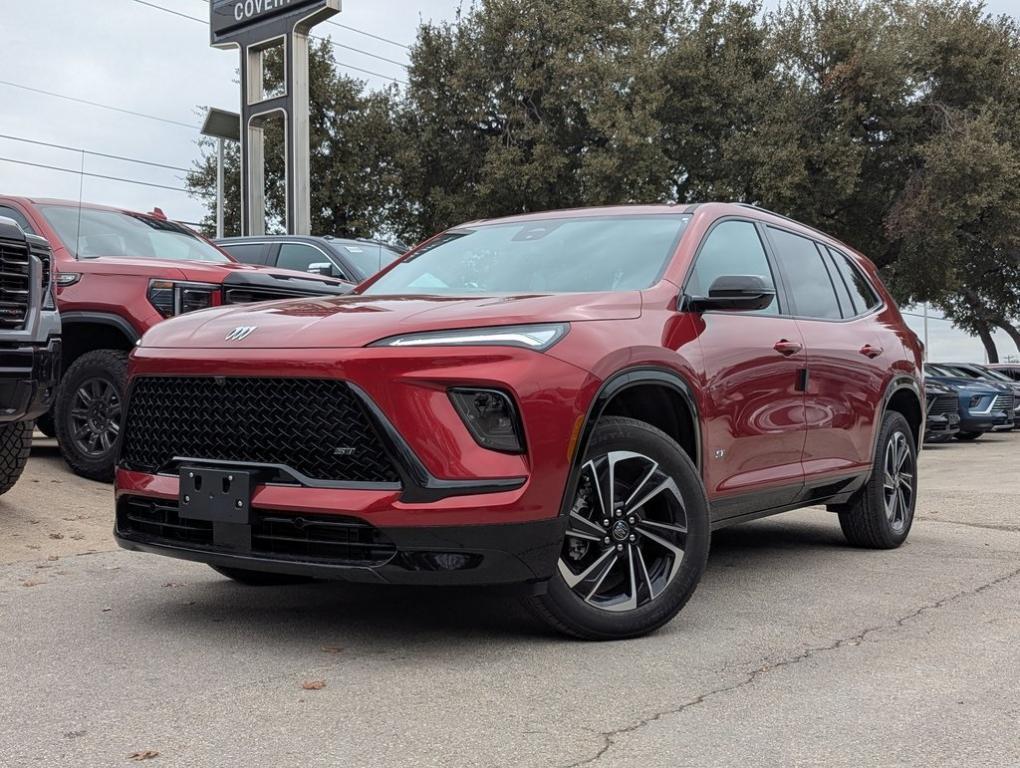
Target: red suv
x: 571, y: 401
x: 118, y: 273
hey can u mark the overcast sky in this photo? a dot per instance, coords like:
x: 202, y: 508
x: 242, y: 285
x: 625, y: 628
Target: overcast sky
x: 126, y: 54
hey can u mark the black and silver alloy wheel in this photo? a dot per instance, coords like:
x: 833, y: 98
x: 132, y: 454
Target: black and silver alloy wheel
x: 636, y: 536
x: 95, y: 416
x: 880, y: 514
x: 898, y: 481
x: 625, y: 537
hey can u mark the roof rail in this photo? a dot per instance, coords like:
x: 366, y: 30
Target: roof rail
x: 791, y: 220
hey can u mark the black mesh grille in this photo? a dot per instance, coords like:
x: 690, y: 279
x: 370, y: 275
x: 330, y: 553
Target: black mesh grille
x: 336, y: 539
x: 15, y: 284
x: 44, y: 255
x: 942, y: 404
x: 316, y: 427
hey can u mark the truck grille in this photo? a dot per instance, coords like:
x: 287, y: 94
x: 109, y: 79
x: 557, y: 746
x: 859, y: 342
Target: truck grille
x: 942, y: 404
x: 316, y: 427
x: 15, y: 284
x: 340, y: 540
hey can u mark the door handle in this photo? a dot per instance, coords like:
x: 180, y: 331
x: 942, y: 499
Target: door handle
x: 787, y: 348
x: 869, y: 351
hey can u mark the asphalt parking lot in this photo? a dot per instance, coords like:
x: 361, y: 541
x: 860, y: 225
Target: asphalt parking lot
x: 796, y: 650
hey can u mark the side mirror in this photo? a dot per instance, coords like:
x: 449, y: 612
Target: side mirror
x: 734, y: 293
x: 323, y: 268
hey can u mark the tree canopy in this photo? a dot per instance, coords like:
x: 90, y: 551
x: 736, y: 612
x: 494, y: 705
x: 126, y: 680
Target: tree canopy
x: 893, y: 125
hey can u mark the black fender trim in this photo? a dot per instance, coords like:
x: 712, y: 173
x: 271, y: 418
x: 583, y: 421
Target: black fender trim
x: 614, y: 385
x: 101, y: 318
x: 899, y: 383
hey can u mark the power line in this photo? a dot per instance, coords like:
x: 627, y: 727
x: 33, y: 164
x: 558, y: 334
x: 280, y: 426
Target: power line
x: 94, y: 153
x: 369, y: 34
x: 366, y: 53
x: 313, y: 37
x: 98, y: 104
x: 98, y: 175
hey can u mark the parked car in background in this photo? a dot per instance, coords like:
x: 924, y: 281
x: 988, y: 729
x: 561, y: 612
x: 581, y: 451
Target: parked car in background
x: 352, y: 261
x: 943, y: 411
x: 983, y: 373
x: 118, y: 273
x: 985, y: 406
x: 568, y: 401
x: 29, y: 344
x: 1006, y: 369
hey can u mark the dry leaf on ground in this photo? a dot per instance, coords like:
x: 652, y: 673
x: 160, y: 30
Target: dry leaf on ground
x: 313, y: 685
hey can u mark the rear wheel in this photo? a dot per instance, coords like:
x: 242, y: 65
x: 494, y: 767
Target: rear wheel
x: 15, y: 446
x: 88, y: 412
x: 259, y: 578
x: 968, y: 436
x: 637, y: 537
x: 879, y: 516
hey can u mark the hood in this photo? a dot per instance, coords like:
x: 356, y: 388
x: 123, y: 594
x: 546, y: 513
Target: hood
x: 971, y: 385
x: 195, y: 271
x: 355, y: 321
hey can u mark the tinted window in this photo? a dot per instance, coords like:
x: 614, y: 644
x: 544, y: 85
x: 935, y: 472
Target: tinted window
x: 732, y: 248
x: 248, y: 253
x: 370, y: 258
x: 11, y: 213
x: 300, y: 257
x: 806, y: 276
x: 568, y: 255
x: 842, y: 292
x: 863, y: 294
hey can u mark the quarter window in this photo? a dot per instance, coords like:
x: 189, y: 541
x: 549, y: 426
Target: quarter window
x: 731, y: 248
x: 806, y: 275
x: 863, y: 294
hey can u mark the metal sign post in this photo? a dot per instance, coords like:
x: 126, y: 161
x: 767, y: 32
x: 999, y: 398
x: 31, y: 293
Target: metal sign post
x: 256, y: 26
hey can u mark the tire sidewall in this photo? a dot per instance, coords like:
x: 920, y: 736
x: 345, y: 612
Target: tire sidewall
x: 626, y: 434
x: 892, y: 423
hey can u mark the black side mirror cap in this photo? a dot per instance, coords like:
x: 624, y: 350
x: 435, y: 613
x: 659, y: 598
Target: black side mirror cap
x: 734, y: 293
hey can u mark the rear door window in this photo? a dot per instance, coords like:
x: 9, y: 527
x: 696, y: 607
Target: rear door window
x: 807, y: 278
x: 247, y: 253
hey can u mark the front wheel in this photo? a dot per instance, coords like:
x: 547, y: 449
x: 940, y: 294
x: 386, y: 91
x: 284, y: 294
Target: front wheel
x: 879, y: 516
x: 637, y: 537
x: 15, y: 446
x: 88, y: 412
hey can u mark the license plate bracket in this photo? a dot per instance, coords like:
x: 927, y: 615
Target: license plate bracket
x: 215, y: 495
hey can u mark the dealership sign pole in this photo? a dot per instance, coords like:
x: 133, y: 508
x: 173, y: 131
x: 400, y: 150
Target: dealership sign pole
x: 255, y: 27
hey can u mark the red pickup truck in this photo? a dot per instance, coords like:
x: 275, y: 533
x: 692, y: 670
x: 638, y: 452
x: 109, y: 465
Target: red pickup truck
x: 117, y: 274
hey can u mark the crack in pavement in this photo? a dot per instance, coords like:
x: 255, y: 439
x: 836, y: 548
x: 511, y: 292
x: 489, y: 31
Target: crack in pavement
x: 986, y: 526
x: 609, y: 738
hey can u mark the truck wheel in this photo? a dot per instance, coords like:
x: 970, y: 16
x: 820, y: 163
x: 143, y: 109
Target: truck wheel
x: 880, y: 514
x: 637, y: 537
x: 88, y: 412
x: 259, y: 578
x: 45, y: 424
x: 968, y: 436
x: 15, y: 445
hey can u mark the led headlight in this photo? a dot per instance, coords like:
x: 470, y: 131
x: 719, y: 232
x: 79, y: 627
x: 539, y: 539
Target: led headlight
x: 171, y: 298
x: 537, y: 337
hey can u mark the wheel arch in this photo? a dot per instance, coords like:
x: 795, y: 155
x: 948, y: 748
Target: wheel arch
x: 658, y: 396
x: 903, y: 395
x: 87, y: 331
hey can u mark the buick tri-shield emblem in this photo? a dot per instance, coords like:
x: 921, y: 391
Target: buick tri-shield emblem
x: 241, y: 332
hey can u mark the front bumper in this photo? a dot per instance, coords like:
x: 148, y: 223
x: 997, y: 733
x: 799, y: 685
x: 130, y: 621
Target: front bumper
x: 941, y: 427
x: 514, y: 553
x: 997, y: 421
x: 28, y: 378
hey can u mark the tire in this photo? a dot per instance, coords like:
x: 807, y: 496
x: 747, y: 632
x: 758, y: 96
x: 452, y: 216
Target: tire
x: 259, y: 578
x: 89, y: 438
x: 670, y: 516
x: 15, y: 446
x: 46, y: 425
x: 873, y: 518
x: 968, y: 436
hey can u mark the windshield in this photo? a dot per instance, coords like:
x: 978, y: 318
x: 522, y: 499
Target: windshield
x: 569, y: 255
x: 369, y: 258
x: 89, y: 234
x: 996, y: 376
